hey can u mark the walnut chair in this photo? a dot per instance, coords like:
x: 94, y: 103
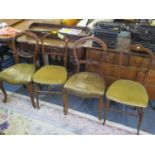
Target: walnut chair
x: 86, y: 84
x: 131, y: 92
x: 21, y: 73
x: 49, y: 74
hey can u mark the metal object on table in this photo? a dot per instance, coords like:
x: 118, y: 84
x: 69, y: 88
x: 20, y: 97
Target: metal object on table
x: 108, y: 32
x: 145, y: 35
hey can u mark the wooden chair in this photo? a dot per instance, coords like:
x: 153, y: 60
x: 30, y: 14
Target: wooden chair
x: 131, y: 92
x: 86, y: 84
x: 21, y: 73
x: 50, y: 74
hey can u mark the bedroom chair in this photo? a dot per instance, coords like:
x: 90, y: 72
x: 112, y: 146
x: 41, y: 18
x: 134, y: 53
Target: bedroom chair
x: 21, y: 73
x: 86, y: 84
x: 49, y: 74
x: 131, y: 92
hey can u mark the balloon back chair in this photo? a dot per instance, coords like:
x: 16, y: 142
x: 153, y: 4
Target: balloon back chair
x: 49, y: 74
x: 21, y: 72
x: 131, y: 92
x: 86, y: 84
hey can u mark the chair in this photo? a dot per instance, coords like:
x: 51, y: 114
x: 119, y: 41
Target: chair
x: 86, y: 84
x: 21, y: 73
x: 50, y: 74
x: 131, y: 92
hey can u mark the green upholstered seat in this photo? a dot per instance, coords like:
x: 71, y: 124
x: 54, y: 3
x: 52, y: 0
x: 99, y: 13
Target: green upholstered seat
x: 128, y: 92
x: 86, y: 84
x: 50, y: 74
x: 18, y: 74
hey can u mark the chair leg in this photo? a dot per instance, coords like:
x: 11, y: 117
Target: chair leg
x: 36, y: 88
x: 106, y: 106
x: 100, y: 106
x: 4, y: 92
x: 141, y: 115
x: 65, y: 102
x: 37, y: 100
x: 30, y: 90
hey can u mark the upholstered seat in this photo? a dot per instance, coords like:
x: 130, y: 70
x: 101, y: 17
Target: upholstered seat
x: 131, y: 92
x: 128, y: 92
x: 86, y: 84
x: 51, y: 74
x: 21, y: 73
x: 18, y: 74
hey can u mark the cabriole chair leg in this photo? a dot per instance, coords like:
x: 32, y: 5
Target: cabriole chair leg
x: 141, y: 115
x: 65, y: 102
x: 100, y: 106
x: 106, y: 106
x: 4, y: 92
x: 37, y: 100
x: 30, y: 90
x: 36, y: 92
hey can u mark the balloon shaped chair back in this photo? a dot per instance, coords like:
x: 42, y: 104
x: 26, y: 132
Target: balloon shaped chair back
x: 51, y: 74
x: 130, y: 90
x: 86, y: 84
x: 21, y: 72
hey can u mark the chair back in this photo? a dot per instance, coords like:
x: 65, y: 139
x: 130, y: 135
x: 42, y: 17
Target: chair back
x: 48, y: 52
x: 25, y: 45
x: 86, y: 60
x: 132, y: 58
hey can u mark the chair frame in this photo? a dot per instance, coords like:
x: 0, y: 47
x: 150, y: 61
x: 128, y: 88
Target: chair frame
x: 37, y: 86
x: 79, y: 62
x: 138, y: 48
x: 17, y: 55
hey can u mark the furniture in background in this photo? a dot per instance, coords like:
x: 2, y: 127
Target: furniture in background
x: 110, y: 68
x: 86, y: 84
x: 130, y: 92
x: 49, y: 74
x: 21, y: 73
x: 6, y: 57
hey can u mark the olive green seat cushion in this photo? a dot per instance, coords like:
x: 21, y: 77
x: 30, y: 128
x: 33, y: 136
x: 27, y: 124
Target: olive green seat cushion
x: 51, y: 74
x: 128, y: 92
x: 18, y: 73
x: 86, y: 84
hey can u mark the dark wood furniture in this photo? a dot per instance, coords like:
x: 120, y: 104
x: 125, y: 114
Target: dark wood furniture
x: 111, y: 68
x: 41, y: 29
x: 50, y: 74
x: 86, y: 84
x: 130, y: 90
x: 21, y: 73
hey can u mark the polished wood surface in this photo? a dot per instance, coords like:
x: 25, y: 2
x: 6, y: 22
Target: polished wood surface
x: 10, y: 23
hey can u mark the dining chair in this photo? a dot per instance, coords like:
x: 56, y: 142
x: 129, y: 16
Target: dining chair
x: 86, y: 84
x: 51, y: 74
x: 21, y: 72
x: 131, y: 92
